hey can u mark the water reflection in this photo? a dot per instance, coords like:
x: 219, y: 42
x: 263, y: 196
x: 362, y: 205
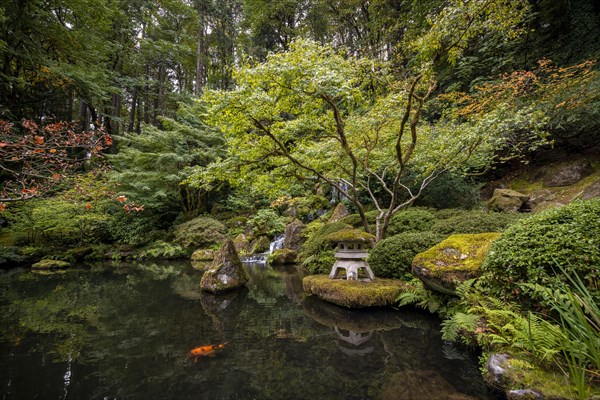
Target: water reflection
x: 125, y: 333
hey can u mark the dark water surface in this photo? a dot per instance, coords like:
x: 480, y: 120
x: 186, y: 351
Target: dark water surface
x: 124, y: 333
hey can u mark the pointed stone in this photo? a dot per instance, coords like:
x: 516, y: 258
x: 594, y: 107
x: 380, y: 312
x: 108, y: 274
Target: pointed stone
x: 340, y: 212
x: 226, y: 271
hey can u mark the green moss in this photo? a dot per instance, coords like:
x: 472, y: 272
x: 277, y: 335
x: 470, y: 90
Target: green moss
x: 355, y: 294
x: 553, y: 384
x: 51, y: 264
x: 349, y: 235
x: 464, y: 252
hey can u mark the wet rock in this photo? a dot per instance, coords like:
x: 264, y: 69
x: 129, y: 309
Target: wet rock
x: 293, y: 235
x: 496, y: 370
x: 525, y: 394
x: 507, y: 200
x: 283, y: 257
x: 226, y: 271
x: 203, y: 255
x: 455, y: 260
x: 591, y: 191
x: 340, y: 212
x: 568, y: 173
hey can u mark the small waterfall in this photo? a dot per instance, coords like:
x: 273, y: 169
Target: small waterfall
x: 261, y: 258
x: 277, y: 243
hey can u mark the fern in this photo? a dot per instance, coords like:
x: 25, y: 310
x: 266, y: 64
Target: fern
x: 459, y: 323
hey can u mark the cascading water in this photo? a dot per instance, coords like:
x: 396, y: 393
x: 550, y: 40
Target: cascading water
x: 261, y: 258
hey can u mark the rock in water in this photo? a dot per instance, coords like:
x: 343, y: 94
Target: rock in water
x: 226, y: 271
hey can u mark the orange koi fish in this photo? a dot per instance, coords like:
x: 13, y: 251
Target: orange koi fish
x: 205, y: 351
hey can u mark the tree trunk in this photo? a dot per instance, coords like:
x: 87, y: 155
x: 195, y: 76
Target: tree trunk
x: 134, y: 98
x: 83, y: 116
x: 199, y: 60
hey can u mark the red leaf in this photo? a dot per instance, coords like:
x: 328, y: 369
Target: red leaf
x: 39, y: 140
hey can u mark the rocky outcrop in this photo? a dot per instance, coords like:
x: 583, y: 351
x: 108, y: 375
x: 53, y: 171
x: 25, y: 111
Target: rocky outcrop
x: 507, y: 200
x: 455, y: 260
x: 293, y: 235
x: 226, y: 271
x: 339, y: 212
x: 568, y: 173
x: 283, y: 257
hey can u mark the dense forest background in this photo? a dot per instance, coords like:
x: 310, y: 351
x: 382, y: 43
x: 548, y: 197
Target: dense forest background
x: 122, y: 64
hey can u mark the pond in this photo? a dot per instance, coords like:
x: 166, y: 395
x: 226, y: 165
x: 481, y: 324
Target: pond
x: 125, y: 332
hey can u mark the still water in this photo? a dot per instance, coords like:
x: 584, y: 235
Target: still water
x: 125, y: 333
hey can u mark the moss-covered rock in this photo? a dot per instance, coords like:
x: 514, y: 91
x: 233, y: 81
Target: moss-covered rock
x: 350, y: 235
x: 339, y: 212
x: 283, y: 257
x: 519, y: 379
x: 507, y: 200
x: 317, y: 253
x: 226, y: 271
x: 355, y: 294
x: 455, y: 260
x: 48, y: 264
x: 242, y: 244
x: 260, y: 245
x: 203, y: 255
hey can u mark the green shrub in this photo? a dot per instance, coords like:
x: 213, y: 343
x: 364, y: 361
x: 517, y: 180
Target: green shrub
x: 317, y: 253
x: 200, y: 232
x: 414, y: 219
x: 527, y: 254
x: 392, y: 257
x: 449, y: 222
x: 11, y: 255
x: 266, y: 222
x: 449, y: 191
x: 356, y: 221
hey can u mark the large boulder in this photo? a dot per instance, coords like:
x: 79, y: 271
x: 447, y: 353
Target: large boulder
x: 226, y: 271
x: 455, y: 260
x: 293, y: 235
x: 568, y: 173
x: 339, y: 212
x: 507, y: 200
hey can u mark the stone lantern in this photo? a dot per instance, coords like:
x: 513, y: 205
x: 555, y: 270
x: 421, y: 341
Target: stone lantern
x: 351, y: 254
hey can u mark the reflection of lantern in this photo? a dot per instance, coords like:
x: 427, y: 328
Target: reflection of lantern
x: 351, y: 256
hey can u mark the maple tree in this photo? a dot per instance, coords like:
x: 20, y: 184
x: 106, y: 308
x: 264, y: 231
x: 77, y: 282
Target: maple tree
x: 36, y: 158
